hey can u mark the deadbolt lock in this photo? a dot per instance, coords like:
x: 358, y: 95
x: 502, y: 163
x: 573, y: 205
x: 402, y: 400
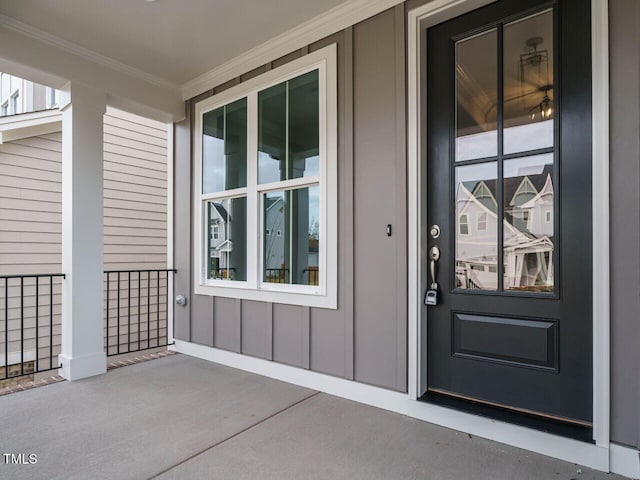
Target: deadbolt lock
x: 434, y: 231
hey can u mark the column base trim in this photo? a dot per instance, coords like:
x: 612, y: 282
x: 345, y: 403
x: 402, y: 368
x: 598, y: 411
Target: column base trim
x: 75, y: 368
x: 625, y: 460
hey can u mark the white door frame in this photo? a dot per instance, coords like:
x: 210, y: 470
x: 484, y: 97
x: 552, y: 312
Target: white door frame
x: 437, y: 11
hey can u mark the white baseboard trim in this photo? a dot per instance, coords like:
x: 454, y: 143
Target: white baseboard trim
x: 625, y: 461
x: 585, y: 454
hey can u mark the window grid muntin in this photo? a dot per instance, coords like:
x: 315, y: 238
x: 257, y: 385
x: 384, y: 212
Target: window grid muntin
x: 254, y: 190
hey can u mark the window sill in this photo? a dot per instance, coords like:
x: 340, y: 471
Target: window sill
x: 316, y: 300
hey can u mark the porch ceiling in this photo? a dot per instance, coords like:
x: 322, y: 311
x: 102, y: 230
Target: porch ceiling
x: 143, y: 53
x: 172, y: 40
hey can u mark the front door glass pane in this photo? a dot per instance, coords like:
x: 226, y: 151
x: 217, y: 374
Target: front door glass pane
x: 476, y: 97
x: 528, y: 83
x: 528, y: 224
x: 476, y: 227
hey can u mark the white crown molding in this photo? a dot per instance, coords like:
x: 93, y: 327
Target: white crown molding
x: 328, y: 23
x: 85, y: 53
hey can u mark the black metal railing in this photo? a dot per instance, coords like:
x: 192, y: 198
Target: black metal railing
x: 31, y: 317
x: 276, y: 275
x: 223, y: 273
x: 134, y: 319
x: 311, y: 275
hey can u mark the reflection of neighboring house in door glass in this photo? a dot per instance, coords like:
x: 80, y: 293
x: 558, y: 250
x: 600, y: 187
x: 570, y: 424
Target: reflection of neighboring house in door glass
x: 528, y: 229
x: 220, y: 246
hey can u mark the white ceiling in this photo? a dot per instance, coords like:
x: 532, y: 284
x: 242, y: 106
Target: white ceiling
x: 175, y: 40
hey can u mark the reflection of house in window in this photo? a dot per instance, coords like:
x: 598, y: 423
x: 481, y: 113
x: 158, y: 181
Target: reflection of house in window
x: 220, y: 247
x: 274, y: 245
x: 521, y: 219
x: 527, y: 231
x: 291, y: 250
x: 483, y: 194
x: 463, y: 224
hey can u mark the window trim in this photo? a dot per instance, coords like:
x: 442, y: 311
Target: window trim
x: 465, y: 223
x: 479, y: 222
x: 325, y: 294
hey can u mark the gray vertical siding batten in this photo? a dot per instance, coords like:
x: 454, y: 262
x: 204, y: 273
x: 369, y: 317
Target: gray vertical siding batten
x: 625, y: 221
x: 181, y: 223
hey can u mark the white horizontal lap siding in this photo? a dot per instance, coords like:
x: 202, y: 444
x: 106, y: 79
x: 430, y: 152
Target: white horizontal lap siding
x: 135, y: 210
x: 30, y: 206
x: 135, y: 205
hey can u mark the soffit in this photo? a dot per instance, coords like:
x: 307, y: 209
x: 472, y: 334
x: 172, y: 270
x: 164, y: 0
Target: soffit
x: 175, y: 41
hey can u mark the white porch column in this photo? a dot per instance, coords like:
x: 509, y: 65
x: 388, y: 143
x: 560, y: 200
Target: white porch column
x: 82, y: 231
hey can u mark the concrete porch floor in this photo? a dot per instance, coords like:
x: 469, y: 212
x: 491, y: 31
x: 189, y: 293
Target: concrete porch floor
x: 183, y: 418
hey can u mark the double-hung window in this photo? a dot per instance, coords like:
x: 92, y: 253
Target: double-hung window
x: 266, y: 168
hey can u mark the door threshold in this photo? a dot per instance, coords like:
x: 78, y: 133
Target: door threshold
x: 574, y: 430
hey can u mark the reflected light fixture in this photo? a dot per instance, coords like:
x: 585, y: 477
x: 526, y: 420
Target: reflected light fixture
x: 534, y: 69
x: 545, y: 107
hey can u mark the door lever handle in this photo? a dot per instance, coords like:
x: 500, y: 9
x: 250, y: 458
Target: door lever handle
x: 434, y: 255
x: 431, y: 298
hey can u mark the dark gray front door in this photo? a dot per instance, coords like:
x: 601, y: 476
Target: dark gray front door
x: 509, y: 185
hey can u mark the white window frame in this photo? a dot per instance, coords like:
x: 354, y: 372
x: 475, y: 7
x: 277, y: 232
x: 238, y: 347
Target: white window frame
x: 325, y: 294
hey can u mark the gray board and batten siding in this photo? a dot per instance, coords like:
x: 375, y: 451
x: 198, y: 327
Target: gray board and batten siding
x: 366, y: 338
x: 624, y: 51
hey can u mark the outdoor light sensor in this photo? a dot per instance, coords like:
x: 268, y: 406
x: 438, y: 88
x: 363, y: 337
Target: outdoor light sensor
x: 181, y: 300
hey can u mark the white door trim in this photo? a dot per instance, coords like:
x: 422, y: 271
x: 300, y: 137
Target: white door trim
x: 419, y: 19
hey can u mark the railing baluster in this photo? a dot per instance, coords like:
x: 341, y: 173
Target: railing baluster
x: 138, y: 310
x: 21, y: 326
x: 129, y: 311
x: 6, y: 328
x: 37, y: 331
x: 107, y: 342
x: 166, y: 315
x: 148, y: 309
x: 50, y: 321
x: 118, y: 313
x: 158, y: 309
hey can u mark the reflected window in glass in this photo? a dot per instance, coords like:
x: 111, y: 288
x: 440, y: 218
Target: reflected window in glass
x: 528, y: 231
